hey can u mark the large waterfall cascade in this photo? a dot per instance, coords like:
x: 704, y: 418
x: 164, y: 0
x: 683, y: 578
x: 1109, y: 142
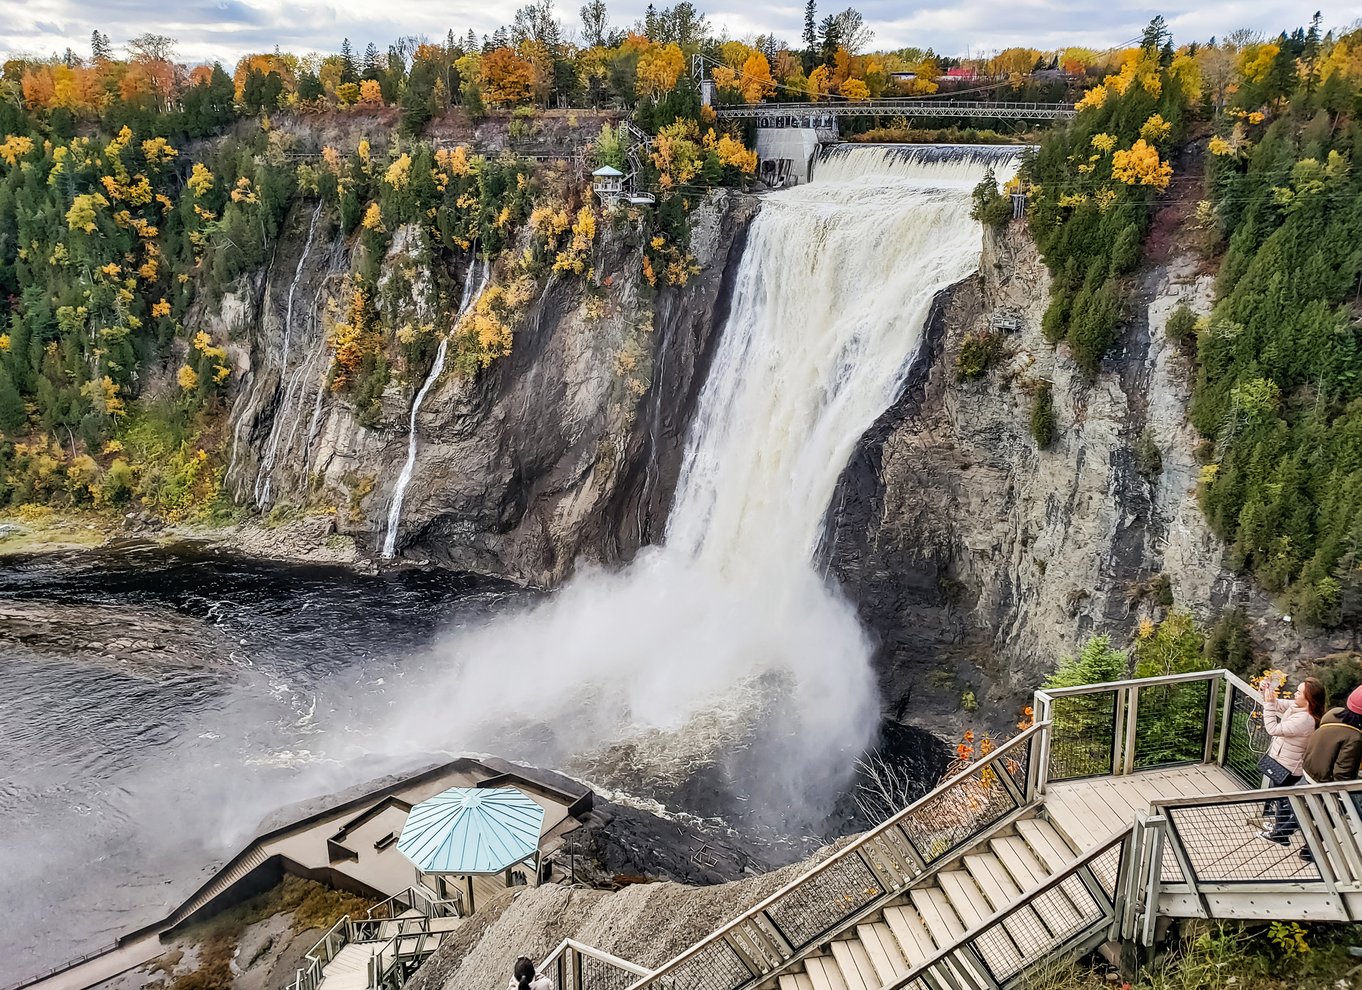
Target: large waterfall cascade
x: 728, y: 622
x: 436, y: 369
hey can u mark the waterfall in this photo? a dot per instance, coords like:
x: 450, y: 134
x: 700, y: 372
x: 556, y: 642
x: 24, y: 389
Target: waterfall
x: 436, y: 368
x: 290, y: 384
x: 672, y: 660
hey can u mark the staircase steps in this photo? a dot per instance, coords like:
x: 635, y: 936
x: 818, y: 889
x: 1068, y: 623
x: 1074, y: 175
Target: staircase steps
x: 348, y: 968
x: 932, y: 917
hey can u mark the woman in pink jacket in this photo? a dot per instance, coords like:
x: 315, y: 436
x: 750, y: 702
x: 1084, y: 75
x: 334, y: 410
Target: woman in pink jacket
x: 1290, y: 722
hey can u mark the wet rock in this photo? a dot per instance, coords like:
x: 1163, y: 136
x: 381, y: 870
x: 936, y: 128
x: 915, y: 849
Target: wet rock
x: 142, y: 642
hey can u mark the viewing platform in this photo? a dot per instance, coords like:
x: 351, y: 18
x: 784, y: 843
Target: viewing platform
x: 1126, y: 806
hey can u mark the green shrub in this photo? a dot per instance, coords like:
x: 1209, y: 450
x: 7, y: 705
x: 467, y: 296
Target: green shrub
x: 978, y: 351
x: 1148, y: 457
x: 1043, y: 416
x: 1181, y: 326
x: 991, y: 207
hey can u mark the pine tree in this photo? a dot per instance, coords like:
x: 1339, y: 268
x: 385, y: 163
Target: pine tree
x: 349, y: 73
x: 810, y: 27
x: 100, y: 49
x: 13, y: 416
x: 371, y: 65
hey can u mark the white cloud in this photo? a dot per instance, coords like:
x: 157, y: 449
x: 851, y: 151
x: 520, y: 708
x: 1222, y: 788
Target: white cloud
x: 226, y: 29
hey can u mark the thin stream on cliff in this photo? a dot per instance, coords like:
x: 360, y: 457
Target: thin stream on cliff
x: 437, y: 368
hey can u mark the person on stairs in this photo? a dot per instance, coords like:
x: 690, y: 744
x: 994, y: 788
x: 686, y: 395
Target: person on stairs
x: 525, y: 978
x: 1333, y: 753
x: 1290, y: 722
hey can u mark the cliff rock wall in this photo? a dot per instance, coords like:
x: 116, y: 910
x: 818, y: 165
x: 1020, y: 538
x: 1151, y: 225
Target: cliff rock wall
x: 568, y: 448
x: 978, y: 559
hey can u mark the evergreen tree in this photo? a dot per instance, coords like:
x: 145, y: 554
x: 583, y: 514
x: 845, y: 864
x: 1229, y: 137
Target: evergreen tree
x: 810, y: 36
x: 349, y: 72
x: 372, y: 67
x: 100, y: 49
x: 12, y: 413
x: 830, y: 38
x: 310, y: 87
x: 1155, y: 35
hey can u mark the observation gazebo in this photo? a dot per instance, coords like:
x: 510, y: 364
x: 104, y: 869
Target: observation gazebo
x: 468, y: 832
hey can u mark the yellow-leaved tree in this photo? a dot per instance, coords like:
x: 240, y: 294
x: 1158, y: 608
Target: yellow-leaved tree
x: 855, y: 90
x: 756, y: 82
x: 1141, y: 166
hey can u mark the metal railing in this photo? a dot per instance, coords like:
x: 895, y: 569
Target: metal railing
x: 866, y: 873
x: 1076, y: 908
x: 320, y: 954
x: 904, y: 107
x: 418, y: 898
x: 393, y: 964
x: 1121, y: 727
x: 1213, y: 859
x: 574, y: 966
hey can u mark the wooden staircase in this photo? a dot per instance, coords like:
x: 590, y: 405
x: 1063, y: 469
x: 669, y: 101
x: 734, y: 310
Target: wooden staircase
x: 934, y: 916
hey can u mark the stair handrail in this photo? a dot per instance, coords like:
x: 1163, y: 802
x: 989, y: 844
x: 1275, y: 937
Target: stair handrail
x: 1028, y: 739
x: 963, y: 952
x: 310, y: 975
x: 564, y: 951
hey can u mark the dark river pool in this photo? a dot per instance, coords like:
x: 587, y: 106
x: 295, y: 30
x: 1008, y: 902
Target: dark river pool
x: 123, y: 784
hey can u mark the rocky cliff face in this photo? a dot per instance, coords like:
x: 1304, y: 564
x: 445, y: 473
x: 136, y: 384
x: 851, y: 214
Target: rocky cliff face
x: 566, y: 449
x: 978, y: 559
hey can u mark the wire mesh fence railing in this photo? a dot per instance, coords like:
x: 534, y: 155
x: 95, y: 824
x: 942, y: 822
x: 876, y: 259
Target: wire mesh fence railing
x: 1171, y: 723
x: 1243, y: 737
x: 877, y: 866
x: 1309, y: 836
x: 574, y: 966
x: 1147, y: 723
x: 1072, y: 909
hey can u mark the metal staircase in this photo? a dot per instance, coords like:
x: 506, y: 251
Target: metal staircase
x: 382, y: 950
x: 1126, y: 804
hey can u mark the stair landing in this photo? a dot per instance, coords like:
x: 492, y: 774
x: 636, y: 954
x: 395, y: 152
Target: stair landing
x: 1092, y: 810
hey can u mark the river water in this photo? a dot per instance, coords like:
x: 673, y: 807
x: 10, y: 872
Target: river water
x: 122, y: 786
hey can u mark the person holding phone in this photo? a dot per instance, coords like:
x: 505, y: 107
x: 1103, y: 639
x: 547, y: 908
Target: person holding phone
x: 1290, y: 722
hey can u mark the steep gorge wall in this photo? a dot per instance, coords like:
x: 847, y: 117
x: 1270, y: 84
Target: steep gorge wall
x: 548, y: 456
x: 976, y: 559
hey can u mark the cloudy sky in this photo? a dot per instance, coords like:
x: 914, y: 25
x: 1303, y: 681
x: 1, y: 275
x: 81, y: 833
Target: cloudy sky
x: 226, y: 29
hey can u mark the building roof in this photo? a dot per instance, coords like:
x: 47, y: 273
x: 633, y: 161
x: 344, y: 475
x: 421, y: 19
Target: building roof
x: 472, y: 830
x: 607, y: 171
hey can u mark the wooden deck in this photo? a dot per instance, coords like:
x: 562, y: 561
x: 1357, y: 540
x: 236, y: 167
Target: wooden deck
x: 1092, y: 810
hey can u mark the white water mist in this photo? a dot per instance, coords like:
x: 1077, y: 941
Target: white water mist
x: 673, y: 659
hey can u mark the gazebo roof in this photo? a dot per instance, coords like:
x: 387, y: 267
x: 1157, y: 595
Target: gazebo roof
x: 606, y: 172
x: 467, y: 830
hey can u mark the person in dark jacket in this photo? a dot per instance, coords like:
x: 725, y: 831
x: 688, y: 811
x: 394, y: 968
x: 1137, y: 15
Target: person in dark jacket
x: 1333, y: 753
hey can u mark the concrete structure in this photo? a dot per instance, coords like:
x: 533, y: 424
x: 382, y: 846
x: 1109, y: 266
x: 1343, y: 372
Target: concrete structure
x: 351, y: 845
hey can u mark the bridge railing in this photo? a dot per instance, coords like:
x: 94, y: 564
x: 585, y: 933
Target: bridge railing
x: 1120, y: 727
x: 869, y: 871
x: 1077, y: 907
